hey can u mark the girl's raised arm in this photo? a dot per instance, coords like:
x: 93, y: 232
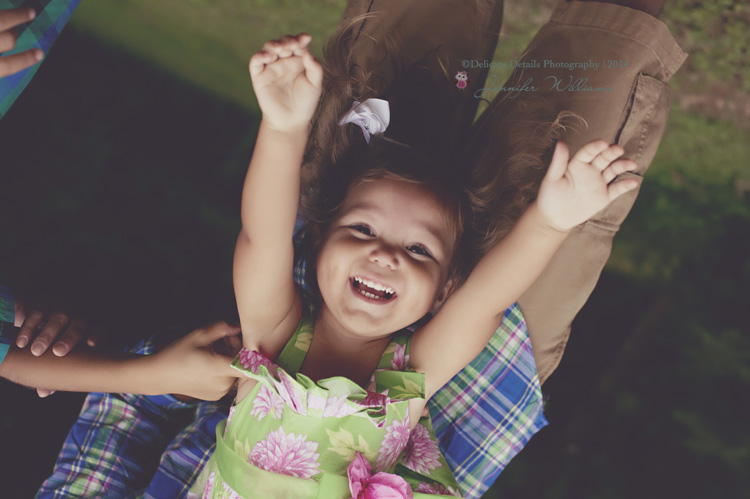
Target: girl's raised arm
x: 287, y: 81
x: 570, y: 194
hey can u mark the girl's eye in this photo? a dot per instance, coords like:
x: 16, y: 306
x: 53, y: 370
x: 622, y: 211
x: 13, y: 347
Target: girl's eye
x: 419, y: 250
x: 364, y: 229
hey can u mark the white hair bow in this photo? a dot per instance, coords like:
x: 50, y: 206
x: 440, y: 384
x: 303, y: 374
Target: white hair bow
x: 372, y: 116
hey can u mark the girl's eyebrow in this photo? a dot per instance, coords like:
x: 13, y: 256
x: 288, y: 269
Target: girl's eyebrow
x: 430, y: 226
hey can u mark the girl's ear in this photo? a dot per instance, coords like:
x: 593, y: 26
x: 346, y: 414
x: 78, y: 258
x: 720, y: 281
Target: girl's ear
x: 449, y: 287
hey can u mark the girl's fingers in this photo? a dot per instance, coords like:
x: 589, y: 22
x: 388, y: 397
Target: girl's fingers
x: 607, y: 156
x: 590, y: 151
x: 271, y: 46
x: 617, y: 168
x: 559, y: 164
x: 288, y: 45
x: 258, y: 62
x: 313, y: 69
x: 13, y: 17
x: 617, y: 189
x: 304, y: 40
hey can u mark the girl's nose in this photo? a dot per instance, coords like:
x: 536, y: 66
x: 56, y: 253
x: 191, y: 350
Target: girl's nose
x: 385, y: 256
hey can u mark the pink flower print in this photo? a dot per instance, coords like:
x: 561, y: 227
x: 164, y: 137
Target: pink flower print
x: 363, y: 485
x: 437, y: 488
x: 400, y: 359
x: 209, y: 486
x: 289, y: 394
x: 331, y: 406
x: 394, y: 442
x: 375, y: 399
x: 229, y: 419
x: 422, y: 453
x: 229, y: 492
x: 315, y: 401
x: 252, y: 360
x: 337, y: 407
x: 290, y: 454
x: 267, y: 401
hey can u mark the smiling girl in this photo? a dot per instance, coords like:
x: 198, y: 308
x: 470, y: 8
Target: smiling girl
x: 334, y: 386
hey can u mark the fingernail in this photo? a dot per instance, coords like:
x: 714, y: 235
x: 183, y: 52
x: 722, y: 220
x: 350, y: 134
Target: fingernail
x: 60, y: 349
x: 37, y: 349
x: 32, y: 14
x: 22, y: 341
x: 38, y: 55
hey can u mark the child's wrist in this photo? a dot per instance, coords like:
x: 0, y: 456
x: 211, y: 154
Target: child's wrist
x: 545, y: 221
x: 285, y: 128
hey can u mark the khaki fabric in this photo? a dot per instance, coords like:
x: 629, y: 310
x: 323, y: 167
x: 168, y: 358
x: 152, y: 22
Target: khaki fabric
x: 632, y: 113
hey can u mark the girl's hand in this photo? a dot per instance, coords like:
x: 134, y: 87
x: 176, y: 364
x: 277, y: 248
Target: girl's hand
x: 572, y: 192
x: 287, y: 81
x: 196, y: 365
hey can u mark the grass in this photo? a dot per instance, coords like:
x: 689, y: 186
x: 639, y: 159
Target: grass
x: 206, y: 43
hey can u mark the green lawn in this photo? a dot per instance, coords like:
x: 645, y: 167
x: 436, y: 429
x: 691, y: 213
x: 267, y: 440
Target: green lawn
x: 208, y: 43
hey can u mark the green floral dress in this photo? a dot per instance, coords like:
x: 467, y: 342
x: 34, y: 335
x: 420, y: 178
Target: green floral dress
x: 292, y: 437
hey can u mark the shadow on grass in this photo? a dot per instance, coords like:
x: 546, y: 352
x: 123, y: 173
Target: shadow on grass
x: 119, y: 197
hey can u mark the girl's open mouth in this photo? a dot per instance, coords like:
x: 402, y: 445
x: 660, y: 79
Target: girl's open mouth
x: 372, y: 290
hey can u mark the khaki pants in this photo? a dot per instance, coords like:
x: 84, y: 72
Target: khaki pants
x: 625, y: 101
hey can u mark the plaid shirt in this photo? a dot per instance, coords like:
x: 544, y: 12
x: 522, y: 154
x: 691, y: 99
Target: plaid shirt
x: 41, y: 32
x: 138, y: 446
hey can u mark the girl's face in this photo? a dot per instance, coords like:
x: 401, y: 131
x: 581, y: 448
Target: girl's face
x: 384, y: 260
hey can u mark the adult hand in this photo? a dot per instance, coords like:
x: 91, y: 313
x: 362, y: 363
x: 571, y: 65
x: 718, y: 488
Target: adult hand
x: 11, y: 64
x: 197, y: 365
x: 44, y: 327
x: 40, y: 329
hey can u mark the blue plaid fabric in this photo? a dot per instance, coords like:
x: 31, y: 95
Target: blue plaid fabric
x: 126, y: 445
x: 7, y: 317
x: 41, y: 32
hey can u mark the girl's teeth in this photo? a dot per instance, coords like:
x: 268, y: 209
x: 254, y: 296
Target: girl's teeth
x: 373, y: 285
x: 370, y: 295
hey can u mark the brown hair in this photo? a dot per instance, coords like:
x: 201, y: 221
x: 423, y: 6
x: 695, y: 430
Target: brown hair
x: 510, y: 149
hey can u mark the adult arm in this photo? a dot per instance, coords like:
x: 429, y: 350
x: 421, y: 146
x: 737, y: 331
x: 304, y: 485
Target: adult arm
x: 189, y: 366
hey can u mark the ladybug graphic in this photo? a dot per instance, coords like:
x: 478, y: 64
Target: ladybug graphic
x: 461, y: 80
